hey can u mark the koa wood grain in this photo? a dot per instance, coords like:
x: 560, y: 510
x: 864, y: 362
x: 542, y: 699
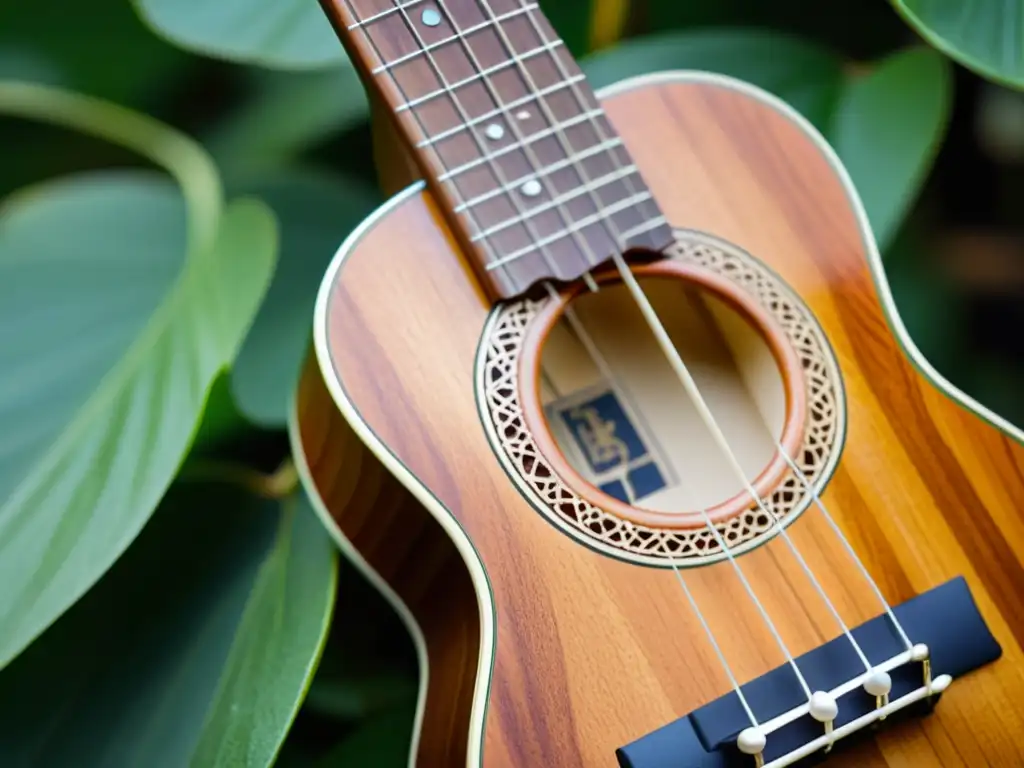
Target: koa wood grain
x: 574, y: 653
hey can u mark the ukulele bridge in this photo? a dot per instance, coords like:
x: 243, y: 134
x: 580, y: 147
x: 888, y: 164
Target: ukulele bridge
x: 951, y: 639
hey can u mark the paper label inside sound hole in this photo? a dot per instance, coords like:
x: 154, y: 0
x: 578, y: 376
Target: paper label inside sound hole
x: 611, y: 448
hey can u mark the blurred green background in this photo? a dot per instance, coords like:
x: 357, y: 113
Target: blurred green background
x: 175, y: 177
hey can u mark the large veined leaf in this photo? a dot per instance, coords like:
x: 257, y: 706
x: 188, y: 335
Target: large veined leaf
x: 72, y: 40
x: 803, y: 73
x: 382, y: 741
x: 368, y: 667
x: 572, y: 20
x: 287, y: 113
x: 887, y: 128
x: 984, y: 35
x: 886, y: 121
x: 363, y: 696
x: 289, y: 34
x: 869, y: 28
x: 316, y: 212
x: 196, y: 648
x: 120, y: 302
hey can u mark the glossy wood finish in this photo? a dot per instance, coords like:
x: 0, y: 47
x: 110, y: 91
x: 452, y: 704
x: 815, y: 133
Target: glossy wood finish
x: 396, y: 537
x: 499, y: 66
x: 592, y: 652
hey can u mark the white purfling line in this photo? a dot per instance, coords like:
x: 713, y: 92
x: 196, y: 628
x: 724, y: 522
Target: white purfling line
x: 543, y: 134
x: 582, y: 189
x: 546, y: 48
x: 459, y: 35
x: 482, y: 589
x: 563, y: 163
x: 581, y: 224
x: 382, y: 14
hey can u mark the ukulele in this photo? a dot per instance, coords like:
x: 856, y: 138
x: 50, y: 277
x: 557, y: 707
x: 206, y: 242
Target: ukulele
x: 611, y: 401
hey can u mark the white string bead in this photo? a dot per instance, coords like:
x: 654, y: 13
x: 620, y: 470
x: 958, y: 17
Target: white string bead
x: 940, y: 683
x: 751, y: 741
x: 878, y: 683
x: 823, y: 707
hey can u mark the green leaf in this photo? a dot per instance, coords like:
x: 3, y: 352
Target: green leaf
x: 288, y: 113
x: 383, y: 741
x: 194, y: 649
x: 571, y: 19
x: 929, y: 304
x: 353, y: 697
x: 316, y: 212
x: 289, y: 34
x: 71, y: 41
x: 802, y: 73
x: 886, y: 126
x: 868, y: 28
x: 222, y: 421
x: 279, y: 641
x: 887, y: 129
x: 109, y: 341
x: 986, y: 36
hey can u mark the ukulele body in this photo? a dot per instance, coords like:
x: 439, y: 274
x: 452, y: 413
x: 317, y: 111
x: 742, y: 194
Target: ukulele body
x: 541, y: 647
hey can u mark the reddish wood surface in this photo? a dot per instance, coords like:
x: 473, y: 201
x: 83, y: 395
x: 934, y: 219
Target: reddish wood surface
x: 430, y: 77
x: 592, y: 652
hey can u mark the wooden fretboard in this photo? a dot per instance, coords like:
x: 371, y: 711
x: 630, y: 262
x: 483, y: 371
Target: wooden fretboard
x: 508, y: 133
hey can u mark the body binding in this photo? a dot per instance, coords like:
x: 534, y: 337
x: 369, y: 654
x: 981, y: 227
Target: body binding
x: 535, y: 650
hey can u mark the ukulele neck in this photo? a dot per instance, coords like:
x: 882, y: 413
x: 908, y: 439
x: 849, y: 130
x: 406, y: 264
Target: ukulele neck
x: 531, y: 175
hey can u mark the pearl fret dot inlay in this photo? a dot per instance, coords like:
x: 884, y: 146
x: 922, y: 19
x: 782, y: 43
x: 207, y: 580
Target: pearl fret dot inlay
x: 532, y: 188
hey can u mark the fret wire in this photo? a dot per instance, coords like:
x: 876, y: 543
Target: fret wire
x: 495, y: 112
x: 542, y: 134
x: 557, y: 166
x: 608, y: 178
x: 482, y: 73
x: 581, y: 241
x: 608, y: 225
x: 425, y: 49
x: 379, y: 15
x: 422, y: 128
x: 582, y: 224
x: 564, y: 72
x: 656, y: 326
x: 531, y: 157
x: 459, y: 108
x: 673, y: 355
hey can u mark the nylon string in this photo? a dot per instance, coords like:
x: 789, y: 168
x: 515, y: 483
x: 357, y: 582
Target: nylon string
x: 481, y: 146
x: 620, y: 265
x: 694, y: 394
x: 533, y: 162
x: 651, y: 318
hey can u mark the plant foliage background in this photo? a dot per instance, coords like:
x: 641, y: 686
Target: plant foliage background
x: 175, y: 176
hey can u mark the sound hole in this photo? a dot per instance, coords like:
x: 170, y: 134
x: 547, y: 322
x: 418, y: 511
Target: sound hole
x: 610, y: 415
